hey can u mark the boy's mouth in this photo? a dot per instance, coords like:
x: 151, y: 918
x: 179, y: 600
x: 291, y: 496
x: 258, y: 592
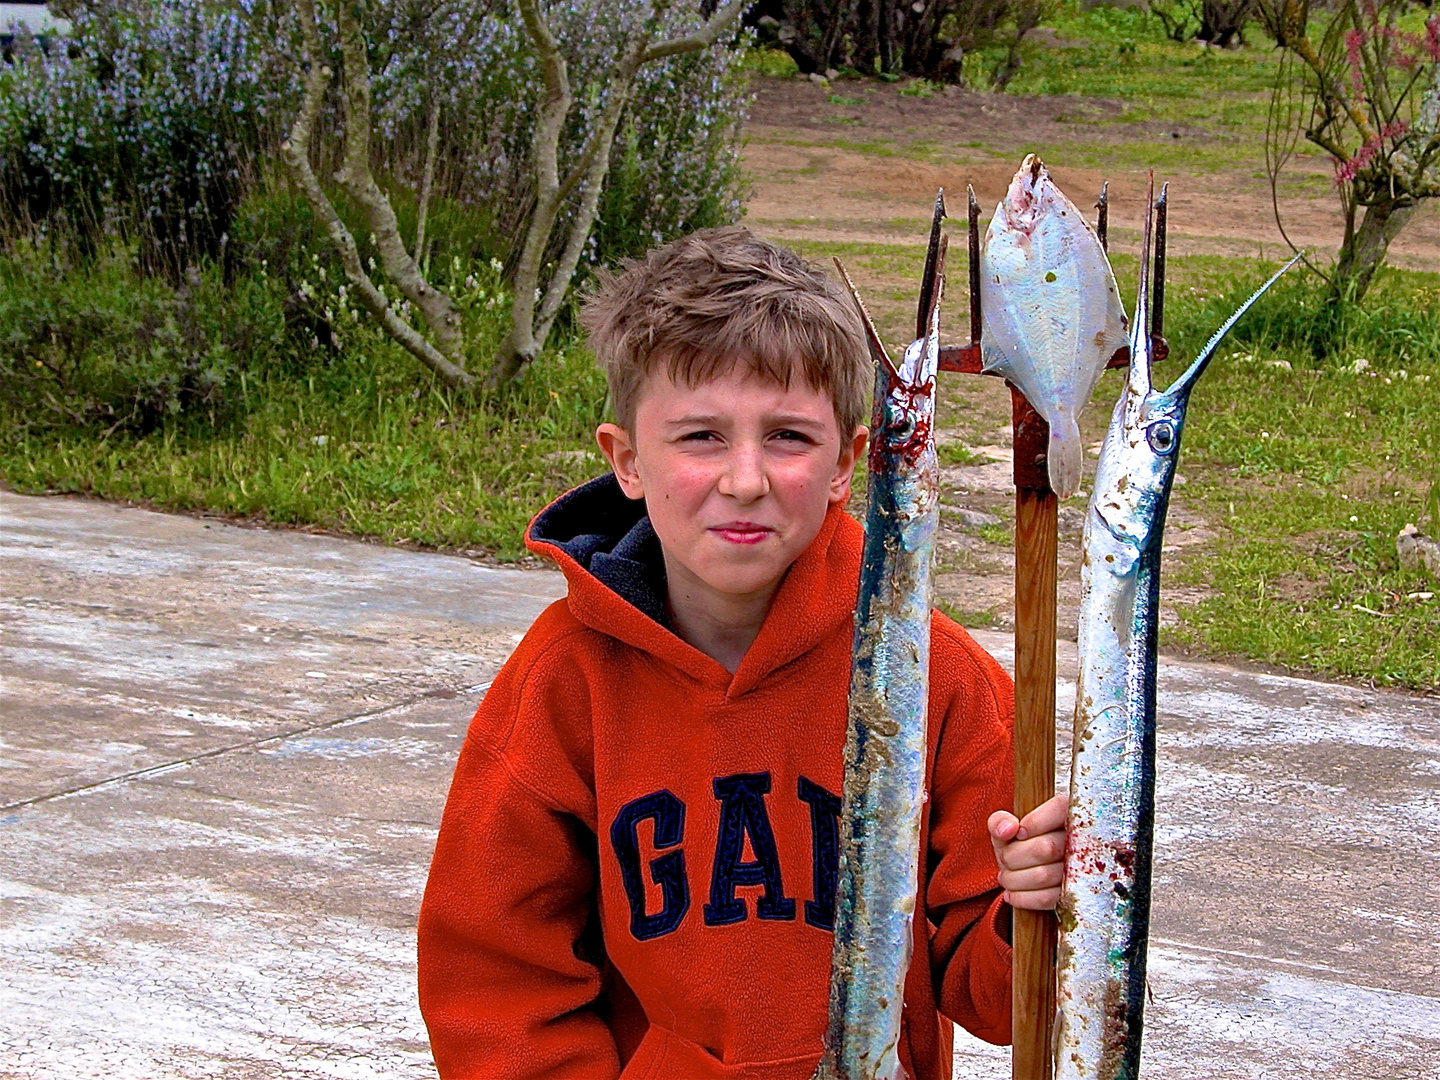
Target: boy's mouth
x: 743, y: 532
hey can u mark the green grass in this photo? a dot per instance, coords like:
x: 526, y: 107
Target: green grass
x: 361, y: 440
x: 952, y: 454
x: 1307, y: 469
x: 382, y: 452
x: 966, y: 616
x: 1001, y: 534
x: 1216, y: 99
x: 1124, y: 55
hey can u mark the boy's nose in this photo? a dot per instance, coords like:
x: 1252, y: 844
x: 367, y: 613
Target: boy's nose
x: 745, y: 478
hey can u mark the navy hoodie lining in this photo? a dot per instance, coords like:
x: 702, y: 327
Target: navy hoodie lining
x: 610, y: 536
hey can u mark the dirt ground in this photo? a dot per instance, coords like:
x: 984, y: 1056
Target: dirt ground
x: 865, y: 171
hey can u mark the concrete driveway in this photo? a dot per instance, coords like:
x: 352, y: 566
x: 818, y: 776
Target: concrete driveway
x: 224, y: 752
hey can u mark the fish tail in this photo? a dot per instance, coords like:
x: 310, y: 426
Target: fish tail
x: 1066, y: 456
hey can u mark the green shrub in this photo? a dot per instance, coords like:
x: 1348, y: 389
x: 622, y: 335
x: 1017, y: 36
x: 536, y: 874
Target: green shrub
x: 103, y: 346
x: 147, y: 128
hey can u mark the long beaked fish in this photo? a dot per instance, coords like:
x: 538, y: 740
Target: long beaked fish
x: 885, y: 748
x: 1053, y: 316
x: 1104, y: 907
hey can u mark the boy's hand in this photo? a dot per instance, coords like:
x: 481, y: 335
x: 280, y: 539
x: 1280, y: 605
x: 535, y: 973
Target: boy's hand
x: 1031, y: 854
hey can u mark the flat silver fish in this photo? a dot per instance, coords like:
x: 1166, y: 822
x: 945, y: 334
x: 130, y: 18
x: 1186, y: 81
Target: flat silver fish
x: 884, y: 792
x: 1052, y: 312
x: 1104, y: 906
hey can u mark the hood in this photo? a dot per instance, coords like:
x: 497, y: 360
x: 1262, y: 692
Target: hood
x: 611, y: 558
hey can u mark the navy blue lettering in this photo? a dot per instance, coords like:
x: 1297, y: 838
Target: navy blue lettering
x: 824, y: 852
x: 742, y: 811
x: 668, y: 871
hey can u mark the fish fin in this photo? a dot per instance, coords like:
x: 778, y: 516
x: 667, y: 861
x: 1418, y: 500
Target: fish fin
x: 1065, y: 456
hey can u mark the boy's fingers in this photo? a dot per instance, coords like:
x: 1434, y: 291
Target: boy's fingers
x: 1036, y: 877
x: 1040, y: 900
x: 1047, y: 817
x: 1021, y: 854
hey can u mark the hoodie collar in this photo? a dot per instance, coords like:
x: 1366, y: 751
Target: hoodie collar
x: 611, y: 557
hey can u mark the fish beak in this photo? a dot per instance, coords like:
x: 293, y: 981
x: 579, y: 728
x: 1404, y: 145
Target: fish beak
x: 931, y: 282
x: 878, y: 353
x: 1142, y: 348
x: 1179, y: 391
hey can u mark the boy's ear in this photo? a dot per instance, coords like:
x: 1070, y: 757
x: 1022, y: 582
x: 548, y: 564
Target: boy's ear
x: 619, y: 450
x: 851, y: 453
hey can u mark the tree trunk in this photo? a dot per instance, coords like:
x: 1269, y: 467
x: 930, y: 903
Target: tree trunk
x: 296, y: 150
x: 1222, y: 22
x: 1363, y: 252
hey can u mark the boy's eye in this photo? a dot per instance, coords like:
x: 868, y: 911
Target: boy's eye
x: 793, y: 436
x: 697, y: 436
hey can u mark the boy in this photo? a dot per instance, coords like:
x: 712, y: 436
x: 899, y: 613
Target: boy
x: 635, y: 875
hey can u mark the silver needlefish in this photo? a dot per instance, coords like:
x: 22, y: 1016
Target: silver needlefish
x: 1052, y: 311
x: 1104, y: 906
x: 884, y: 791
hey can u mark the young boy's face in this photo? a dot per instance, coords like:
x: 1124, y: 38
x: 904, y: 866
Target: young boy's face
x: 737, y: 475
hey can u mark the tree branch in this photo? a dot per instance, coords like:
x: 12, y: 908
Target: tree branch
x: 1330, y: 87
x: 703, y: 38
x: 602, y: 139
x: 530, y: 327
x: 557, y: 95
x: 296, y: 150
x: 427, y: 176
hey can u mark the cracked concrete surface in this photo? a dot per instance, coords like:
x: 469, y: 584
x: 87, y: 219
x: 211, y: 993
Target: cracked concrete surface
x: 224, y: 752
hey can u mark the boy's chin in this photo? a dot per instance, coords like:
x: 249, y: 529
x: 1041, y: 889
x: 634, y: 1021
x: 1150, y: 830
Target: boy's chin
x: 745, y: 578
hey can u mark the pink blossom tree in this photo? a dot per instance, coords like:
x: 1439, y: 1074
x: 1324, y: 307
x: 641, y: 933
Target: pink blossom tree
x: 1368, y: 94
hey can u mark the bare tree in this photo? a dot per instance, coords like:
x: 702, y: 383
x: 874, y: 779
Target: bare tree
x: 1222, y: 22
x: 1369, y: 96
x: 566, y: 194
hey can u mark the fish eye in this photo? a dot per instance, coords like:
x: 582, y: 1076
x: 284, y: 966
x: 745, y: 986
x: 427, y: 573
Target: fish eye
x: 902, y: 428
x: 1161, y: 436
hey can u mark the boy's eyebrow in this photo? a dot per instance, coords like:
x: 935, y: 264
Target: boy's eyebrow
x: 717, y: 420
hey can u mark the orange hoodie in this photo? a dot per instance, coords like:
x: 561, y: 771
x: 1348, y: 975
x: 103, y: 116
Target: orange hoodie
x: 635, y: 874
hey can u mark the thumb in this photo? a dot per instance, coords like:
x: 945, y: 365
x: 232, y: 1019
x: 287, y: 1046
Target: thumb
x: 1003, y: 826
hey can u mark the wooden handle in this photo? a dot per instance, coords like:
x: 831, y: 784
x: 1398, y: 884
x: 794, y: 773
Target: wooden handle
x: 1034, y: 932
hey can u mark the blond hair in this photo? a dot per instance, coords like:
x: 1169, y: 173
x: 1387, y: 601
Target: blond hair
x: 706, y: 302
